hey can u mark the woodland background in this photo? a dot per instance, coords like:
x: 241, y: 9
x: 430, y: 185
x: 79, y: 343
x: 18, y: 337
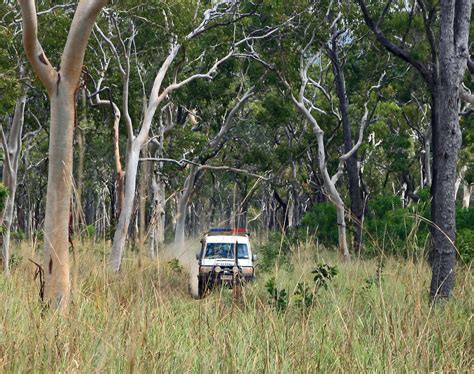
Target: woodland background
x: 275, y: 116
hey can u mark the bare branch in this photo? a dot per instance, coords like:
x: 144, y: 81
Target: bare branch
x: 6, y: 150
x: 230, y: 117
x: 209, y: 75
x: 363, y: 125
x: 112, y: 48
x: 183, y: 162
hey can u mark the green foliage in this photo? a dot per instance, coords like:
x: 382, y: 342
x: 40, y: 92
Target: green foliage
x: 276, y: 251
x: 3, y: 196
x: 18, y: 235
x: 321, y: 220
x: 465, y: 245
x: 278, y: 297
x: 323, y: 274
x: 376, y: 279
x: 465, y: 218
x: 303, y: 296
x: 175, y: 266
x: 15, y: 260
x: 89, y: 231
x: 394, y: 229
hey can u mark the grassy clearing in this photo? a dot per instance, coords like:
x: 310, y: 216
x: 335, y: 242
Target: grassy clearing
x: 143, y: 320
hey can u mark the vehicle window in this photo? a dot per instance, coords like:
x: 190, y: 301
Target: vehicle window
x: 226, y: 250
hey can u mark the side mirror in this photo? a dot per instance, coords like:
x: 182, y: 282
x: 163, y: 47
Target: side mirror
x: 254, y: 257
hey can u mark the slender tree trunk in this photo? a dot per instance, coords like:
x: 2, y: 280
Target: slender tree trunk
x: 352, y: 168
x: 125, y: 216
x: 12, y: 146
x: 142, y: 207
x: 466, y: 198
x: 120, y: 176
x: 427, y: 157
x: 157, y: 230
x: 459, y: 180
x: 183, y: 201
x: 81, y: 159
x: 335, y: 197
x: 158, y: 198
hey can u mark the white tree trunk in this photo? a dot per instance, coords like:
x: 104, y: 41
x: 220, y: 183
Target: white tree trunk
x: 12, y: 146
x: 121, y: 231
x: 58, y: 200
x: 459, y: 180
x: 466, y: 199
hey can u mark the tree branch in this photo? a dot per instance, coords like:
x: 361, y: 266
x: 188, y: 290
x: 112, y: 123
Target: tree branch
x: 393, y: 48
x: 228, y: 121
x: 33, y: 49
x: 76, y: 43
x: 183, y: 162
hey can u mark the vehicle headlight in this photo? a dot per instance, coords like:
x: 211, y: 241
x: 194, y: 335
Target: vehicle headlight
x: 235, y: 269
x: 217, y: 269
x: 247, y: 270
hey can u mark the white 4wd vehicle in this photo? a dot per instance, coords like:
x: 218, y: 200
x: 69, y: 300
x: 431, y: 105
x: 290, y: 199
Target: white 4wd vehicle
x: 225, y: 258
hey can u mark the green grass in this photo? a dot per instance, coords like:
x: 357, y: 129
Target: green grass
x: 143, y: 320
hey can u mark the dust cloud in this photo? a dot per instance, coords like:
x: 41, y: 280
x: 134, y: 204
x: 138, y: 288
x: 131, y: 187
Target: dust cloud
x: 185, y: 253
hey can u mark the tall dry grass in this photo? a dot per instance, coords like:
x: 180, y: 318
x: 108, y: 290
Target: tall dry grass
x: 144, y: 320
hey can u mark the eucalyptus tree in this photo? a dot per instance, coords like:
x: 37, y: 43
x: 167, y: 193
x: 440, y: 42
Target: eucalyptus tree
x: 446, y: 33
x: 342, y: 36
x: 302, y: 71
x: 198, y: 163
x: 61, y: 85
x: 12, y: 144
x: 224, y: 11
x: 13, y: 82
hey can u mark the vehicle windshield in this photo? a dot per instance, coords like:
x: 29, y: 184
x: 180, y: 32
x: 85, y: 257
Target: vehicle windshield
x: 226, y: 250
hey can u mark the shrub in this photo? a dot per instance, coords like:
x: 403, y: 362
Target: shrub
x: 275, y: 251
x: 3, y: 196
x: 397, y: 230
x: 465, y: 244
x: 321, y: 220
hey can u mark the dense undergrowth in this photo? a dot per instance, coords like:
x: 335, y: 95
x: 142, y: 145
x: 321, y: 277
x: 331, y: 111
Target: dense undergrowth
x: 391, y: 228
x: 371, y: 316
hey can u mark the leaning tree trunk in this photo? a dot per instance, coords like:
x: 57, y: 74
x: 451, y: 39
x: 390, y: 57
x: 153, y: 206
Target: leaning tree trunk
x: 336, y: 199
x: 61, y: 87
x: 121, y: 230
x: 12, y: 150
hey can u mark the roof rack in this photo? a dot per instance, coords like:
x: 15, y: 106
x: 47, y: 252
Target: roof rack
x: 227, y: 231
